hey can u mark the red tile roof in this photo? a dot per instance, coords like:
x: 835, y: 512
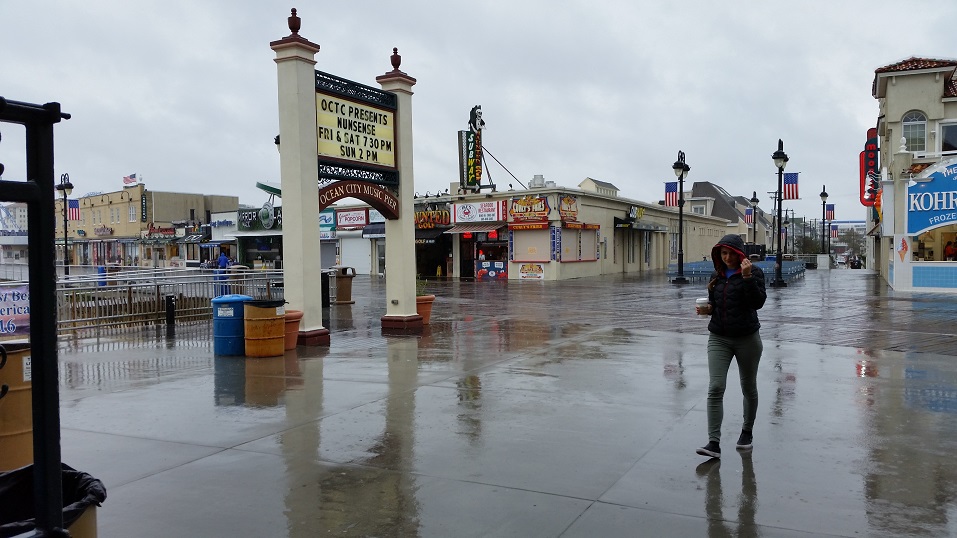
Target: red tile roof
x: 914, y: 63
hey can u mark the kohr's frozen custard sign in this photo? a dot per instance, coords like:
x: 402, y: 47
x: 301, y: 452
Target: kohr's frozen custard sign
x: 932, y: 200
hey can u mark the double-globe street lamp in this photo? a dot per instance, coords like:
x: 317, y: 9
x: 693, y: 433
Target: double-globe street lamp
x: 754, y: 218
x: 681, y: 172
x: 66, y: 188
x: 823, y: 215
x: 780, y: 160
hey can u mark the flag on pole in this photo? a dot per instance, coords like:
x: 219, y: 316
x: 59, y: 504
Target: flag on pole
x: 129, y: 180
x: 790, y: 186
x: 671, y: 194
x: 73, y: 210
x: 829, y: 212
x: 834, y: 231
x: 749, y: 216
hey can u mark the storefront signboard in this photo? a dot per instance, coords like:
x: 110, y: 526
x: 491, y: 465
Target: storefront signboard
x: 568, y: 207
x: 352, y: 219
x: 932, y: 200
x: 426, y: 218
x: 529, y: 208
x: 479, y: 211
x: 531, y: 271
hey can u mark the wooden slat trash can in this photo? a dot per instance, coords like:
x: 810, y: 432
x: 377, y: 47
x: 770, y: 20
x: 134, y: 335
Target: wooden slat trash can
x: 264, y: 325
x: 16, y: 405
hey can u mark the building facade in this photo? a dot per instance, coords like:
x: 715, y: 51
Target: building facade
x: 915, y: 216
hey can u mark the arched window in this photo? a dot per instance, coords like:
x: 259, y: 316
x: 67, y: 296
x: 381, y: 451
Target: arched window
x: 915, y: 130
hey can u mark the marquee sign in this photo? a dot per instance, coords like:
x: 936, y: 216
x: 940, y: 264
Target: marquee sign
x: 355, y: 125
x: 932, y: 201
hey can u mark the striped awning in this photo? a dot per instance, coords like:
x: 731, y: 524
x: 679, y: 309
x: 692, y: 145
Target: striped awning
x: 474, y: 227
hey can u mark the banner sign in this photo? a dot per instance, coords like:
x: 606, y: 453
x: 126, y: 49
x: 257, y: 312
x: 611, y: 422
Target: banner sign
x: 870, y: 173
x: 14, y: 311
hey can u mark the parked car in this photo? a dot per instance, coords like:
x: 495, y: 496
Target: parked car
x: 856, y: 263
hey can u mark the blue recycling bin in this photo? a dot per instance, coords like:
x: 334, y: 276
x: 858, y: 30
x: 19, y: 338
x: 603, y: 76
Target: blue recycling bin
x: 228, y: 334
x: 101, y: 275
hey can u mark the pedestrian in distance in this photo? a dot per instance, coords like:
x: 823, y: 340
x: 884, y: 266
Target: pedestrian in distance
x: 735, y: 294
x: 223, y: 260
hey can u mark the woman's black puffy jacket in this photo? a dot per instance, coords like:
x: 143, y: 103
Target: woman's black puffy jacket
x: 735, y: 301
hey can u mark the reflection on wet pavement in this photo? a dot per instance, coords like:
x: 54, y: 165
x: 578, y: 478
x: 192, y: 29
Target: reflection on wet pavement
x: 529, y: 409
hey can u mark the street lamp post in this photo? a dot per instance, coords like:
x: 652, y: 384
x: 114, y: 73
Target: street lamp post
x: 754, y: 217
x: 66, y: 188
x: 681, y: 172
x: 780, y: 160
x: 823, y: 216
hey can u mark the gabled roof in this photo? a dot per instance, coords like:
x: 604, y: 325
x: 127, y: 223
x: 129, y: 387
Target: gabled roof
x: 723, y: 202
x: 879, y: 86
x: 602, y: 184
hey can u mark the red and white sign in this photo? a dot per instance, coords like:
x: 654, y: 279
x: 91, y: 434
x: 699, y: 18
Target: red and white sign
x: 351, y: 219
x: 480, y: 212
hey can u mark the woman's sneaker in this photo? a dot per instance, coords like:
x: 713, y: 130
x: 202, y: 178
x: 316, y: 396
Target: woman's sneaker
x: 712, y: 449
x: 744, y: 441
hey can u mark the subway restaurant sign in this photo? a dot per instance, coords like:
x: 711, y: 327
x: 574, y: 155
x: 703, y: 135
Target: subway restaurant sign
x: 932, y: 201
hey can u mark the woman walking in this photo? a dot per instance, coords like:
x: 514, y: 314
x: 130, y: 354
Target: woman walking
x: 735, y: 293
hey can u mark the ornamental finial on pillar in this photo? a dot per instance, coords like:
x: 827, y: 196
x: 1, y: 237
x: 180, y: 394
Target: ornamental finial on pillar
x: 294, y: 23
x: 396, y: 59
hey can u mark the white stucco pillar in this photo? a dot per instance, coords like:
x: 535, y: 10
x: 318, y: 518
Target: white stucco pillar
x: 400, y: 233
x: 299, y: 170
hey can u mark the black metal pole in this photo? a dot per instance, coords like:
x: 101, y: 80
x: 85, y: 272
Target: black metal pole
x: 66, y: 256
x: 681, y: 170
x: 39, y: 194
x: 823, y: 223
x: 780, y: 159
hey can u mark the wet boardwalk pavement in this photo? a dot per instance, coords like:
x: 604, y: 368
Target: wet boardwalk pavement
x: 531, y: 409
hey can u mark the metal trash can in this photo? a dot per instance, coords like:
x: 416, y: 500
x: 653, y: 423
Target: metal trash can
x: 16, y: 405
x: 344, y: 276
x: 324, y: 288
x: 237, y: 276
x: 264, y: 326
x: 228, y: 323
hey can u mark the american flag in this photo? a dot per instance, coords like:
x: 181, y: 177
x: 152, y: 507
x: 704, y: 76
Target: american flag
x: 790, y: 186
x: 73, y: 210
x: 129, y: 180
x: 671, y: 194
x: 829, y: 212
x: 749, y: 216
x: 834, y: 231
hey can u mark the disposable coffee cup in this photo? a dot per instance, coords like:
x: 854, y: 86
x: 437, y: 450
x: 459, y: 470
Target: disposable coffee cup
x: 700, y: 303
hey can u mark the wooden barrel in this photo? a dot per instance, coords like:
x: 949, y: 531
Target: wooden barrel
x: 16, y: 406
x: 264, y: 324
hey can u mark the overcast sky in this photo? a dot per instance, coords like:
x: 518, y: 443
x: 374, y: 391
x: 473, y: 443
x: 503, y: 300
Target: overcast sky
x: 183, y: 92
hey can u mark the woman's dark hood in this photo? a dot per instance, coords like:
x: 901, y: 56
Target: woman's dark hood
x: 732, y: 241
